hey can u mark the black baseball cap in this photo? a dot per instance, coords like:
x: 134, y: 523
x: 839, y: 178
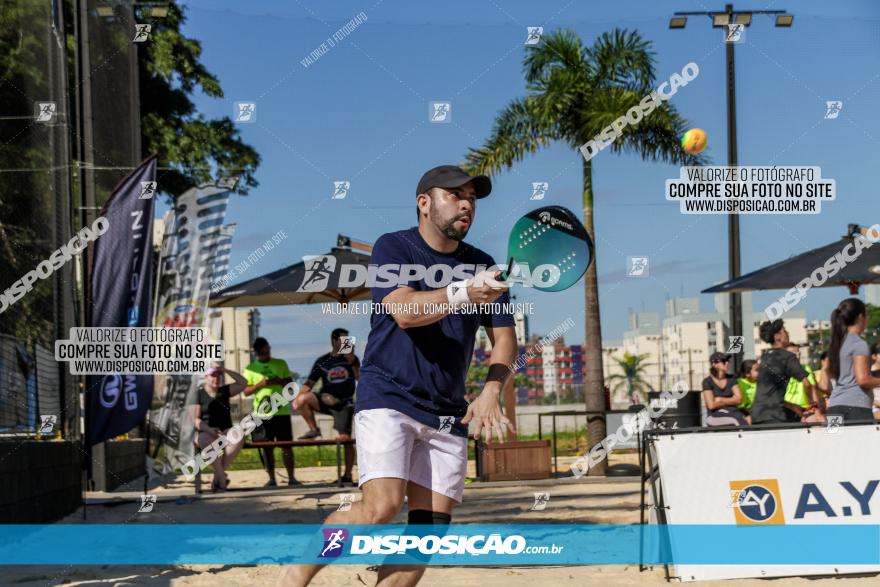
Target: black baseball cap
x: 452, y: 176
x: 718, y: 356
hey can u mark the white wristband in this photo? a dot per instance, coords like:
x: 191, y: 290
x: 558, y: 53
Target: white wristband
x: 457, y: 294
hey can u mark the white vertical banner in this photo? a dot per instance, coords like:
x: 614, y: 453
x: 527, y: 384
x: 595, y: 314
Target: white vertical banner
x: 195, y: 241
x: 224, y: 248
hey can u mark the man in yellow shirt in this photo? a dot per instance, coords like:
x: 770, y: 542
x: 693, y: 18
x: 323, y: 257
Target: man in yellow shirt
x: 267, y: 376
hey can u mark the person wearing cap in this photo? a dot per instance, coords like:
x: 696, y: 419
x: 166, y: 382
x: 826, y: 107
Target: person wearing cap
x: 212, y: 418
x: 722, y: 394
x: 267, y: 376
x: 411, y: 415
x: 778, y: 366
x: 337, y: 371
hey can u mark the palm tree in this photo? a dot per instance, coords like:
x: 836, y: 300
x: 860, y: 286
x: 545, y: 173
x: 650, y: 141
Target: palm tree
x: 574, y: 93
x: 631, y: 380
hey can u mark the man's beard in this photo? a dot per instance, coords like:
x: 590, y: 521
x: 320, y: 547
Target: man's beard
x: 448, y: 227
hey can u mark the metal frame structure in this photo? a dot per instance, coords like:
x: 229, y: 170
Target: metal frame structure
x: 651, y: 469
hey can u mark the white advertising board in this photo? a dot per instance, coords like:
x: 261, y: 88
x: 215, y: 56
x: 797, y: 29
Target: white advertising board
x: 813, y: 476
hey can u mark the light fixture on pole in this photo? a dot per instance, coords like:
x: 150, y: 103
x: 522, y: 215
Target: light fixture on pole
x: 724, y: 19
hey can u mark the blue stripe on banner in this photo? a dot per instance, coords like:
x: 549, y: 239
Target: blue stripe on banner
x: 457, y: 544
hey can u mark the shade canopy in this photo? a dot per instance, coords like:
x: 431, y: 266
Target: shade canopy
x: 786, y: 274
x: 312, y: 281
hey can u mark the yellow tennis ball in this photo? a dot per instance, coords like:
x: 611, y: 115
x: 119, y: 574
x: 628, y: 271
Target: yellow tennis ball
x: 694, y: 141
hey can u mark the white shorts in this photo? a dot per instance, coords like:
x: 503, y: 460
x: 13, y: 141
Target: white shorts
x: 391, y: 444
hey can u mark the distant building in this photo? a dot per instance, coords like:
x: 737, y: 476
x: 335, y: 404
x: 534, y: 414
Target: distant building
x: 238, y: 329
x: 612, y: 350
x: 556, y: 369
x: 158, y: 232
x: 520, y: 327
x: 872, y: 294
x: 689, y: 337
x: 240, y: 326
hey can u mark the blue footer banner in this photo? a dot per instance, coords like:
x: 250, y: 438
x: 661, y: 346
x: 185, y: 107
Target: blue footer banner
x: 456, y: 544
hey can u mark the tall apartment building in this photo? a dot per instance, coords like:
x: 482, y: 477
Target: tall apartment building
x: 644, y: 338
x: 558, y: 370
x: 689, y: 337
x: 872, y: 294
x: 240, y: 326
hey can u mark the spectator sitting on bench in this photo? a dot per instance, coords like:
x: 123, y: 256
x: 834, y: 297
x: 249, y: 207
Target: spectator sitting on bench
x: 337, y: 370
x: 267, y: 376
x: 212, y: 418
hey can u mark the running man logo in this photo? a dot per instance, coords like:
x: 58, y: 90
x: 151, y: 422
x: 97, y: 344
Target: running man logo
x: 541, y: 500
x: 533, y: 36
x: 539, y: 190
x: 340, y: 189
x: 228, y: 182
x: 832, y: 109
x: 346, y: 345
x: 735, y: 33
x: 334, y: 538
x: 147, y: 503
x: 245, y: 112
x: 47, y: 424
x: 734, y: 345
x: 756, y: 501
x: 345, y: 501
x: 141, y: 32
x: 446, y: 423
x: 440, y: 112
x: 46, y: 111
x: 833, y: 423
x: 319, y: 268
x: 148, y: 190
x: 637, y: 266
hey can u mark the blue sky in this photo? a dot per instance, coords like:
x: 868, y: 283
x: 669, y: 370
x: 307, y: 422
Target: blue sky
x: 360, y: 114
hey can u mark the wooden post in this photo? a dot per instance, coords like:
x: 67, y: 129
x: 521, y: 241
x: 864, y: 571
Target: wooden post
x: 508, y: 393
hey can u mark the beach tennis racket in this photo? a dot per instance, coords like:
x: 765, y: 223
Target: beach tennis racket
x: 554, y: 245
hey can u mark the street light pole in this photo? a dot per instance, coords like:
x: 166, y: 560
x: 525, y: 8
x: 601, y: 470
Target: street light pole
x: 726, y: 20
x: 733, y: 250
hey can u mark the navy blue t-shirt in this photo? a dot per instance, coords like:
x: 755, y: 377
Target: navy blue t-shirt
x: 421, y: 371
x: 336, y: 374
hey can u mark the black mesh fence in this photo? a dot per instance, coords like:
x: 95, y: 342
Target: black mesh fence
x: 36, y: 210
x: 31, y: 401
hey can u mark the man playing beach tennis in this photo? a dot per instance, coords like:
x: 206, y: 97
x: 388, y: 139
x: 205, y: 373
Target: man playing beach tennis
x: 411, y: 414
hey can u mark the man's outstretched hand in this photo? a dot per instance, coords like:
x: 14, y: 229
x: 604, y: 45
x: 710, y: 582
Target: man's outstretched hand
x: 485, y: 411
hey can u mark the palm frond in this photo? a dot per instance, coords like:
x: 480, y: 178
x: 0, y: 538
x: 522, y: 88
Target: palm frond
x: 658, y: 138
x: 561, y: 49
x: 622, y: 58
x: 519, y: 129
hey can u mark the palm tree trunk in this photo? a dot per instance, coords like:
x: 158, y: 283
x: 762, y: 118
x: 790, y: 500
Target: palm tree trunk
x: 594, y: 380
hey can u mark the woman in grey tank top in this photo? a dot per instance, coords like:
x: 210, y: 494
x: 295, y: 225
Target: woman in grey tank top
x: 849, y: 364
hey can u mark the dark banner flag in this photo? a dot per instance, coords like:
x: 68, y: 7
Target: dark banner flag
x: 119, y: 290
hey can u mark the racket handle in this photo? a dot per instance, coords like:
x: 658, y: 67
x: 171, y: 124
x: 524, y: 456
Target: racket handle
x: 506, y: 273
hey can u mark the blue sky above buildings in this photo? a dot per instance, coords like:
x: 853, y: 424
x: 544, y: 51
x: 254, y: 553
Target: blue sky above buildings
x: 359, y: 113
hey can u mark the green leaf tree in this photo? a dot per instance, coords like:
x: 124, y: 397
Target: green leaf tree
x: 574, y: 92
x: 199, y: 149
x: 632, y: 379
